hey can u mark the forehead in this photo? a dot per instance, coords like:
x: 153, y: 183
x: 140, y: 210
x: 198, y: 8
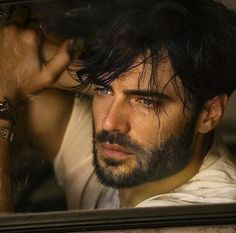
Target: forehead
x: 143, y: 76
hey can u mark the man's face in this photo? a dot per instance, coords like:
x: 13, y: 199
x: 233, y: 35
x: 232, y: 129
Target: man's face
x: 135, y: 143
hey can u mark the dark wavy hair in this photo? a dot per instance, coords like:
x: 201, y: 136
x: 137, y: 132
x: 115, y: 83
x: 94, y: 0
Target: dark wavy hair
x: 199, y: 37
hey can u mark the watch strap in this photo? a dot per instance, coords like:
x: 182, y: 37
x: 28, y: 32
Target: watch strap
x: 8, y: 111
x: 6, y: 134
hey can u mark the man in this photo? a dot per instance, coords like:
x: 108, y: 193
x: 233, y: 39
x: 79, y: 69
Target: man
x: 160, y: 78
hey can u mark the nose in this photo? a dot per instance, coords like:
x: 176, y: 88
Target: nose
x: 117, y: 118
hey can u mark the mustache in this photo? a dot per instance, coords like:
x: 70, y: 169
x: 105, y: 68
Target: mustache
x: 120, y: 139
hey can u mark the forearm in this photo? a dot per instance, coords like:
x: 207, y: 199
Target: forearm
x: 22, y: 73
x: 5, y: 190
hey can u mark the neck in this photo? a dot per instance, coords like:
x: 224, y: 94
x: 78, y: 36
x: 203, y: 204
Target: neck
x: 130, y: 197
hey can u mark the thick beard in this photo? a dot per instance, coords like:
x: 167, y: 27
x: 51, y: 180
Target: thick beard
x: 165, y: 160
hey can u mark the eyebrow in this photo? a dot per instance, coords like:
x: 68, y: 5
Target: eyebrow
x: 147, y: 93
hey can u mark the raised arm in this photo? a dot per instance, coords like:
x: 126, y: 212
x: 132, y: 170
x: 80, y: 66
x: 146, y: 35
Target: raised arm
x: 22, y: 73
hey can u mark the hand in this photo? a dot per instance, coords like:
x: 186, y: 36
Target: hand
x: 66, y: 80
x: 22, y: 72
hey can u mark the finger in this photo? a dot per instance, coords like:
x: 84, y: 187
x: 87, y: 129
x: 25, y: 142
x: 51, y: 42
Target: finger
x: 19, y: 16
x: 66, y: 81
x: 35, y: 25
x: 56, y: 65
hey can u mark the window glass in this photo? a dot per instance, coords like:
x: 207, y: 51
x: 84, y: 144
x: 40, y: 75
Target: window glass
x: 52, y: 134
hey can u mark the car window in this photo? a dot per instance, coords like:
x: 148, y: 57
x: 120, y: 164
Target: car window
x: 37, y: 187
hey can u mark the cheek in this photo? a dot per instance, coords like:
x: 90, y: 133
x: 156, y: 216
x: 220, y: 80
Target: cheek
x: 172, y: 121
x: 153, y: 129
x: 99, y: 110
x: 144, y: 130
x: 97, y: 113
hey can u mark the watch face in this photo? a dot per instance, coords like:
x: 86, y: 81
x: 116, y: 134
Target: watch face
x: 6, y: 134
x: 8, y: 111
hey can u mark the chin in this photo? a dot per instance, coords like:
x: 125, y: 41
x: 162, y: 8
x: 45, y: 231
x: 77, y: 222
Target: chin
x: 116, y: 174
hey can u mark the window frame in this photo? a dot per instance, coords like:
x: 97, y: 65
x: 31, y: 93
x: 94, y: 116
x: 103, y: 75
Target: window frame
x: 121, y: 219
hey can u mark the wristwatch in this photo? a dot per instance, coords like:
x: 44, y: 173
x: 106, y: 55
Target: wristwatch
x: 6, y: 134
x: 7, y: 112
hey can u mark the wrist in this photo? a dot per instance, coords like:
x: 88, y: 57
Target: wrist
x: 6, y: 130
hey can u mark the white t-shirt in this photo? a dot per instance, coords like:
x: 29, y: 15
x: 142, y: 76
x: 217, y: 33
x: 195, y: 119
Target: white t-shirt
x: 214, y: 183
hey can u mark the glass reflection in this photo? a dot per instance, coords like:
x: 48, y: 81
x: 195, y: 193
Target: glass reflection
x: 159, y: 161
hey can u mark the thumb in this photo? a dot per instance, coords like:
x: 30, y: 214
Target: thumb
x: 56, y: 65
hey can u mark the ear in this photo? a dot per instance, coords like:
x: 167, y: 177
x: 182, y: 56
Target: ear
x: 212, y: 113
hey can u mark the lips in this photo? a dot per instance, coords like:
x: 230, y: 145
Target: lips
x: 113, y: 151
